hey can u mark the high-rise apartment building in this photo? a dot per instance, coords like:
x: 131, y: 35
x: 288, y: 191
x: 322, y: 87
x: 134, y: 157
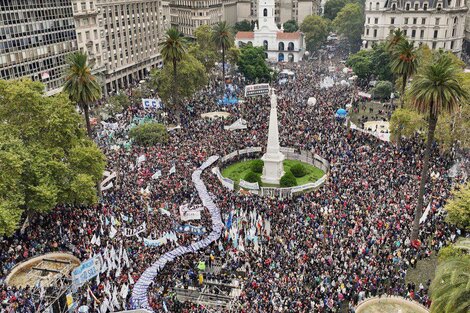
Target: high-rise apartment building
x: 35, y: 37
x: 131, y: 33
x: 89, y: 28
x: 187, y: 15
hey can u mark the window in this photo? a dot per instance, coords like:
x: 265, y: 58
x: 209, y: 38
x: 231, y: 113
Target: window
x: 281, y: 46
x: 416, y: 7
x: 368, y: 20
x: 370, y: 6
x: 407, y: 6
x: 265, y: 12
x: 405, y: 32
x: 453, y: 32
x: 367, y: 31
x: 290, y: 46
x: 375, y: 33
x: 415, y: 20
x: 265, y: 44
x: 452, y: 44
x: 423, y: 21
x: 434, y: 45
x: 394, y: 6
x: 425, y: 7
x: 439, y: 7
x: 83, y: 6
x: 376, y: 21
x: 406, y: 20
x: 377, y: 5
x: 437, y: 20
x: 392, y: 20
x: 435, y: 34
x: 456, y: 20
x: 413, y: 33
x: 421, y: 34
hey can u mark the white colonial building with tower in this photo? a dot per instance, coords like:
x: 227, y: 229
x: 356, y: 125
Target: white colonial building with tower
x: 279, y: 45
x: 436, y: 23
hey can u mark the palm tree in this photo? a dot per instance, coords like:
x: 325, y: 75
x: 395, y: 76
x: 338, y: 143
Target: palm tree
x: 222, y: 36
x: 173, y: 49
x: 450, y: 289
x: 81, y: 85
x: 404, y: 62
x: 434, y: 90
x: 394, y: 39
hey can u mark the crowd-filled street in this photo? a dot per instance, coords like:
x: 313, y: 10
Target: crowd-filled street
x: 320, y: 251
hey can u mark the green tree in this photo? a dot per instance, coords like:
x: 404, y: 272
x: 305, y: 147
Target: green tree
x: 288, y: 180
x: 173, y: 49
x: 382, y: 90
x: 458, y: 208
x: 118, y: 103
x: 372, y: 62
x: 394, y: 39
x: 361, y: 64
x: 453, y: 130
x: 222, y: 36
x: 405, y: 122
x: 149, y: 134
x: 233, y: 55
x: 243, y: 26
x: 315, y: 29
x: 450, y: 252
x: 381, y: 61
x: 252, y: 64
x: 450, y: 292
x: 46, y: 158
x: 332, y: 8
x: 81, y: 85
x: 404, y: 63
x: 434, y: 90
x: 290, y: 26
x: 191, y: 76
x: 349, y: 23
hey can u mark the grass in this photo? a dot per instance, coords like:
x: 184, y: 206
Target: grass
x: 371, y: 116
x: 240, y: 169
x: 424, y: 270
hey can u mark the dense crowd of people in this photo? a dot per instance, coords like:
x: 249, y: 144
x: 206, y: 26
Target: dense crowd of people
x: 325, y: 251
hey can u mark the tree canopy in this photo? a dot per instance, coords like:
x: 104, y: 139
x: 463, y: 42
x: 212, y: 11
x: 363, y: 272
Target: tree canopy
x: 45, y: 157
x: 349, y: 23
x: 290, y: 26
x: 149, y: 134
x: 252, y: 64
x: 458, y: 208
x: 372, y: 62
x: 191, y: 76
x: 315, y: 29
x: 243, y: 26
x: 449, y: 290
x: 332, y: 8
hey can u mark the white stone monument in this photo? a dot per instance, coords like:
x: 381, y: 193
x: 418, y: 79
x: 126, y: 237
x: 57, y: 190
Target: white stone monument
x: 273, y: 168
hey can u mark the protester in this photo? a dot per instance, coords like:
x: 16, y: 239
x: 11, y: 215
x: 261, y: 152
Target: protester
x: 316, y: 252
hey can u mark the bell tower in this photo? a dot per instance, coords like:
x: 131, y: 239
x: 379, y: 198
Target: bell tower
x: 266, y: 11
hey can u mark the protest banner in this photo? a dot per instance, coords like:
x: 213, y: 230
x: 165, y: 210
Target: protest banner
x: 151, y: 104
x: 190, y: 213
x: 129, y: 232
x: 194, y: 230
x: 155, y: 242
x: 247, y: 185
x: 86, y: 271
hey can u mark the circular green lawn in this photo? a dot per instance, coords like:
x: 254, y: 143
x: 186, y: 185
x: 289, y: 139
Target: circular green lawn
x: 241, y: 169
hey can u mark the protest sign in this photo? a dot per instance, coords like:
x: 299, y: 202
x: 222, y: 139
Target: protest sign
x: 86, y: 271
x: 129, y: 232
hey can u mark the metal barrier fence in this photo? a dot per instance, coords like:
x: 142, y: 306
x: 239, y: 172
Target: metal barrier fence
x: 290, y: 154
